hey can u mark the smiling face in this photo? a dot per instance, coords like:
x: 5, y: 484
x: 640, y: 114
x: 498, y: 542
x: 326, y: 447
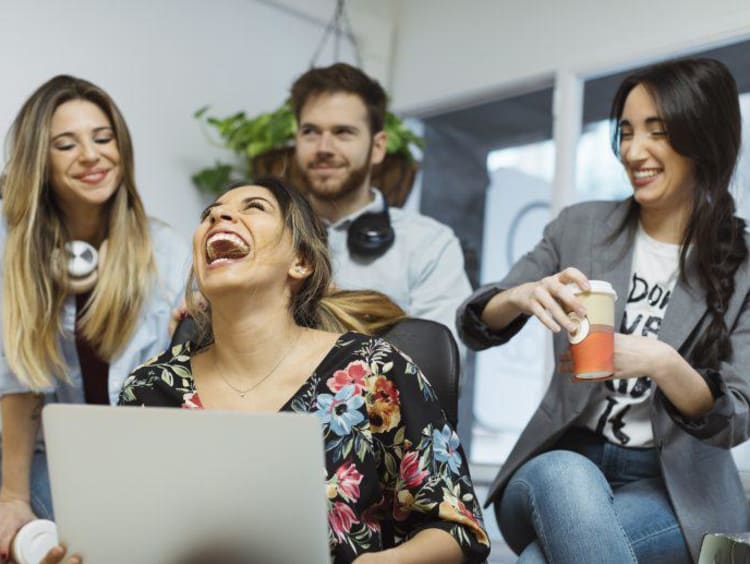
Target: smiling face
x: 242, y: 243
x: 84, y: 159
x: 662, y: 179
x: 335, y: 148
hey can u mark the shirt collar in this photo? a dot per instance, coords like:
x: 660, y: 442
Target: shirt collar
x: 377, y: 205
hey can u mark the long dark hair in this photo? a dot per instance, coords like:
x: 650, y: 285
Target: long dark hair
x: 699, y: 105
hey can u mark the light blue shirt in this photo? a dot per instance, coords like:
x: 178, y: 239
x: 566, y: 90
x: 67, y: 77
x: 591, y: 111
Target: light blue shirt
x: 423, y: 271
x: 150, y: 335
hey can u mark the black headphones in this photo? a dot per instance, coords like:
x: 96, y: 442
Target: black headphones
x: 371, y: 234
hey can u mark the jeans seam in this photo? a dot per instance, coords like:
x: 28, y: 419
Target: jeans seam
x: 536, y: 521
x: 656, y: 533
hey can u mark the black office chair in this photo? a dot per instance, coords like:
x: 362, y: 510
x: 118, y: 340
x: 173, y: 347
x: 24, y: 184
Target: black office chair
x: 430, y: 345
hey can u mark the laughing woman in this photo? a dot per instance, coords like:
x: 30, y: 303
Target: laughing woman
x: 88, y: 281
x: 272, y: 341
x: 638, y: 467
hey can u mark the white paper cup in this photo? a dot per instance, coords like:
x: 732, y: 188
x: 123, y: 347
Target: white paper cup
x: 592, y: 343
x: 33, y: 541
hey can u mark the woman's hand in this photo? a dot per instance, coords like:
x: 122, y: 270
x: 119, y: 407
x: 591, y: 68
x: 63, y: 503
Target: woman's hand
x: 56, y: 555
x: 178, y: 314
x: 550, y: 299
x: 645, y: 356
x: 14, y: 514
x: 637, y: 356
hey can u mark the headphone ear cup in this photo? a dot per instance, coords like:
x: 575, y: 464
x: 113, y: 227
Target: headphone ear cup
x: 370, y: 235
x: 81, y: 261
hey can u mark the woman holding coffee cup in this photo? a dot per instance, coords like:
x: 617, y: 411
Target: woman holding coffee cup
x: 636, y: 467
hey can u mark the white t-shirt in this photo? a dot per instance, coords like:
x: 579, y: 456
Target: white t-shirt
x: 623, y: 417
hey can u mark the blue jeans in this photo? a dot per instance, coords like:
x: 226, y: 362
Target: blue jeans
x: 41, y: 495
x: 591, y: 501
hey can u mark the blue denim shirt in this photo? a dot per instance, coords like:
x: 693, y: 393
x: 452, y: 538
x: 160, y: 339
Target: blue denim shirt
x: 150, y: 336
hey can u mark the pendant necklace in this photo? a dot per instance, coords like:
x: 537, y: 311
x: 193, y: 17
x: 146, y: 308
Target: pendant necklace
x: 243, y: 392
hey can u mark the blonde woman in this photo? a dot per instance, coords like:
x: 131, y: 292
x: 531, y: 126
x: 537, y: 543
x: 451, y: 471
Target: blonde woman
x: 88, y: 281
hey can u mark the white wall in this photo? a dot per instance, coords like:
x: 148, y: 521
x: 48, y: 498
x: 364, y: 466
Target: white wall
x: 161, y: 60
x: 450, y: 51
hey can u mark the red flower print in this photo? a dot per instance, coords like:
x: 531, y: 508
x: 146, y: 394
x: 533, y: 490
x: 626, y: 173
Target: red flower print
x: 191, y: 400
x: 383, y: 389
x: 411, y: 473
x: 383, y: 405
x: 355, y: 373
x: 340, y: 519
x: 348, y: 479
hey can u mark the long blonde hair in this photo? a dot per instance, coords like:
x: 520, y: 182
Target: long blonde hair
x: 317, y: 303
x: 32, y: 296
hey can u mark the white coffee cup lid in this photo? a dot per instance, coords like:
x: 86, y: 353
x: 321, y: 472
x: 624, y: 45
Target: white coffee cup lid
x: 597, y: 286
x: 34, y: 540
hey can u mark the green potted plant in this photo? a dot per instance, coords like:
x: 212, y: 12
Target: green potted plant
x: 265, y: 145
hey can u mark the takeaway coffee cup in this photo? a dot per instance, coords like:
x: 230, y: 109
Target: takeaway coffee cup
x: 33, y: 541
x: 592, y: 344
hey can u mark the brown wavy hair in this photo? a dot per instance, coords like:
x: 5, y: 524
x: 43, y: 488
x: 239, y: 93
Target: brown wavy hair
x: 317, y: 304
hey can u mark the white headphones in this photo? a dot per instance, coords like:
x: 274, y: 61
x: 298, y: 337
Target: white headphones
x: 81, y: 262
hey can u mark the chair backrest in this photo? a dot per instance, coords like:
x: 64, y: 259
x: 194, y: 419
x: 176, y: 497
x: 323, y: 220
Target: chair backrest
x: 429, y: 344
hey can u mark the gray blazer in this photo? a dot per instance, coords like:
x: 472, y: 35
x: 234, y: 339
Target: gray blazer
x: 697, y: 466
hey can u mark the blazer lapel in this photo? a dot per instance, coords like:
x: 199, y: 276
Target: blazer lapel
x: 686, y: 308
x: 615, y: 257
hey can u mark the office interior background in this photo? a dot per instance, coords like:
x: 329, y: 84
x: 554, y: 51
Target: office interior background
x: 511, y: 96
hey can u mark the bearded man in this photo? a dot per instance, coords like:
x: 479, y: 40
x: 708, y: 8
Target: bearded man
x: 414, y: 259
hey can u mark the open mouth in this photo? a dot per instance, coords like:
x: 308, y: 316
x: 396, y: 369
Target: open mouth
x: 224, y: 247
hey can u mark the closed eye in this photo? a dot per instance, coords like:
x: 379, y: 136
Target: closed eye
x: 205, y: 213
x: 255, y: 203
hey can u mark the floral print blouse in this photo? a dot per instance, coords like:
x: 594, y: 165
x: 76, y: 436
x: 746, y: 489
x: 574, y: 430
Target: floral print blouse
x: 394, y: 465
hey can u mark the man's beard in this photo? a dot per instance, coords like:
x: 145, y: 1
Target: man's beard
x: 339, y: 191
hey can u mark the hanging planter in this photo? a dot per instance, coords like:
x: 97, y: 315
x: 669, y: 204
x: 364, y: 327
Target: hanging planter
x: 265, y: 144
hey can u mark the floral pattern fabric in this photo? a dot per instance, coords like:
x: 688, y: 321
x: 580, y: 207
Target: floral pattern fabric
x: 394, y: 465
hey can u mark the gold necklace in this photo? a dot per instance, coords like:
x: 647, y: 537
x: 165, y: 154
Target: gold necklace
x: 242, y: 393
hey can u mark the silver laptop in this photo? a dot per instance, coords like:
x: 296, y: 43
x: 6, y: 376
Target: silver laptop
x: 156, y: 485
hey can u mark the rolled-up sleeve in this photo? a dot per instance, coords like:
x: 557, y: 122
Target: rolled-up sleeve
x: 543, y: 260
x: 727, y: 424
